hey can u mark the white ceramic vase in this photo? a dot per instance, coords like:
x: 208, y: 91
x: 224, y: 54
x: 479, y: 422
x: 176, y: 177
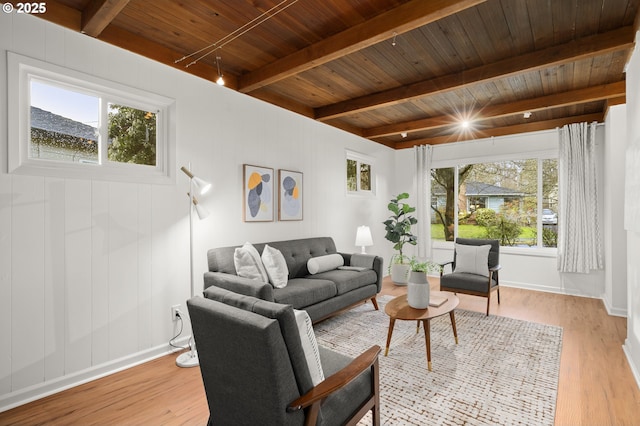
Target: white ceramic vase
x: 400, y: 273
x: 418, y: 290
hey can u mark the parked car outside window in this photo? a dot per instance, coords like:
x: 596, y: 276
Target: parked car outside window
x: 549, y: 217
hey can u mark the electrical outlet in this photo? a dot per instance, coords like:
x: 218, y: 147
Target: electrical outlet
x: 174, y: 312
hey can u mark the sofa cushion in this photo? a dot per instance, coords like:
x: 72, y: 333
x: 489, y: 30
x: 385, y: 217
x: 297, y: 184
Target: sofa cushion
x: 302, y: 292
x: 248, y: 263
x: 276, y: 266
x: 324, y: 263
x: 346, y: 281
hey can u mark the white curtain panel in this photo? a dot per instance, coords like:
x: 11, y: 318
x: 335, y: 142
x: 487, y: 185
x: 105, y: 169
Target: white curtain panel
x: 579, y: 245
x: 423, y: 154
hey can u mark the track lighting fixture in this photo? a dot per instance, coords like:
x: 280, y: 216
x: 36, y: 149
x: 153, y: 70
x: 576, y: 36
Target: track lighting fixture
x: 220, y: 80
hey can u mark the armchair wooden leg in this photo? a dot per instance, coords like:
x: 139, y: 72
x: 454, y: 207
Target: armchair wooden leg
x: 488, y: 302
x: 498, y: 290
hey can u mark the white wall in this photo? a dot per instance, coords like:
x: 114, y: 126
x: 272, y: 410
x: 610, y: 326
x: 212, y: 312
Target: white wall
x: 523, y: 268
x: 632, y: 343
x: 89, y: 269
x: 614, y: 235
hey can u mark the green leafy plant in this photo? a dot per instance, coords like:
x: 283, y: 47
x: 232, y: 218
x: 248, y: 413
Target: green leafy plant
x: 398, y: 226
x: 426, y: 266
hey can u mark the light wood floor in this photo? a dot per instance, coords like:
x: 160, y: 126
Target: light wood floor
x: 596, y: 385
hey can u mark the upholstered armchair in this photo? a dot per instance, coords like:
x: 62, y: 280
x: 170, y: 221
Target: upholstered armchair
x: 474, y: 269
x: 256, y: 370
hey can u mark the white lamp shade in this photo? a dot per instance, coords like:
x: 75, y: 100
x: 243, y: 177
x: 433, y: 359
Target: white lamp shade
x: 202, y: 185
x: 363, y: 236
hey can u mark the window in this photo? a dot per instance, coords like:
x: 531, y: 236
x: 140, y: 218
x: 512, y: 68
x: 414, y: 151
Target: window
x: 74, y: 125
x: 359, y: 173
x: 514, y: 201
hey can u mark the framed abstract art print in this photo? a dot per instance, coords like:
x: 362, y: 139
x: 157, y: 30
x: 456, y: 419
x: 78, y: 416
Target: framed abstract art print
x: 257, y: 194
x: 290, y: 193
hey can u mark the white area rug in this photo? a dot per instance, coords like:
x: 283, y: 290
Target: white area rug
x: 502, y: 372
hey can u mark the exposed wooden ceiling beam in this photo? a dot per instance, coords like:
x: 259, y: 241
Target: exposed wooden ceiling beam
x: 502, y: 131
x: 99, y: 13
x: 556, y: 100
x: 406, y: 17
x: 587, y: 47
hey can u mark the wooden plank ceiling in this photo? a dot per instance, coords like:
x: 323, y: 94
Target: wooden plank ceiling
x: 399, y: 72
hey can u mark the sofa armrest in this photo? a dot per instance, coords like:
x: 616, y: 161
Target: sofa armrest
x: 239, y: 285
x: 378, y: 266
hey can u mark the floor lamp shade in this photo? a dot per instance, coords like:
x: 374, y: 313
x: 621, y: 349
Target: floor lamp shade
x: 363, y: 237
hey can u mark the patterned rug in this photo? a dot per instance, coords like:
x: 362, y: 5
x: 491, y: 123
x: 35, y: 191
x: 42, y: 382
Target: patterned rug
x: 502, y: 372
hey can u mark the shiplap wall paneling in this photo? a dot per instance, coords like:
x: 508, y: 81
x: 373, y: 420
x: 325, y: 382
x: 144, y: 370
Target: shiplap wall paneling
x: 6, y: 325
x: 100, y: 272
x: 27, y: 278
x: 54, y: 278
x: 78, y: 224
x: 145, y: 260
x: 123, y: 269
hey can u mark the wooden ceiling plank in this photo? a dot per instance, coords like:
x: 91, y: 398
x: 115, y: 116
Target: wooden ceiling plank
x: 557, y: 100
x: 404, y: 18
x: 99, y: 13
x: 620, y: 39
x: 501, y: 131
x: 157, y: 52
x: 63, y: 15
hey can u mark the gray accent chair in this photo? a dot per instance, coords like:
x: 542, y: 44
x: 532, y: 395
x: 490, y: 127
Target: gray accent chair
x: 467, y: 283
x: 255, y: 373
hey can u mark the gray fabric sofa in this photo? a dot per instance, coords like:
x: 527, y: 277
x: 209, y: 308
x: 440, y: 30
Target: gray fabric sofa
x: 321, y: 295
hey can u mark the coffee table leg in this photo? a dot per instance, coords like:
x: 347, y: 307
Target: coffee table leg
x: 417, y: 326
x: 453, y: 324
x: 392, y: 322
x: 427, y: 339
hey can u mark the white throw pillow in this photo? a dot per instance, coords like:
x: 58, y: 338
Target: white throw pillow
x: 248, y: 263
x: 315, y: 265
x: 309, y: 346
x: 472, y: 259
x: 276, y: 266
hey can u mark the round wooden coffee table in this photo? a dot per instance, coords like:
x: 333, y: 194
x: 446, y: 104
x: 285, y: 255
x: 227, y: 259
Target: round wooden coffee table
x: 399, y: 309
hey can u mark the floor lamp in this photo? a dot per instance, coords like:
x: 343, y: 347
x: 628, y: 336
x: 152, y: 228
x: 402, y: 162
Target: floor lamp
x: 190, y: 359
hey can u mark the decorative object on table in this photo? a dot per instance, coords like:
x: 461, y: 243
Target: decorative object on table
x: 257, y: 194
x: 474, y: 269
x: 398, y: 231
x: 418, y: 289
x: 363, y: 238
x: 490, y: 356
x: 290, y: 195
x: 190, y: 359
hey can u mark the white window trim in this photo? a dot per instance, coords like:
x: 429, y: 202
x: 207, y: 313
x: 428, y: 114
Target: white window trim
x: 360, y: 158
x: 22, y: 69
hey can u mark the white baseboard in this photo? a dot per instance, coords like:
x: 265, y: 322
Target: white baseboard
x: 616, y: 312
x: 41, y: 390
x: 635, y: 369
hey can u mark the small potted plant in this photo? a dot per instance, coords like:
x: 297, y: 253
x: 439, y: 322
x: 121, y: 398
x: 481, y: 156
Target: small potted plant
x: 398, y: 231
x: 418, y: 290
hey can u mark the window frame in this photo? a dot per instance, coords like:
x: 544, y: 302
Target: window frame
x: 360, y: 159
x: 23, y: 70
x: 540, y: 156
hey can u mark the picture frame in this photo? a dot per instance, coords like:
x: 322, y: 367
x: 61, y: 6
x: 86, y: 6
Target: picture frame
x: 257, y: 193
x: 290, y: 195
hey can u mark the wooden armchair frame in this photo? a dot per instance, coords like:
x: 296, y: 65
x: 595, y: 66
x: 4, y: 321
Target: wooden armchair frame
x: 311, y: 401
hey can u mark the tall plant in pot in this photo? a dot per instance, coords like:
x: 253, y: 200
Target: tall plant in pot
x: 398, y: 228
